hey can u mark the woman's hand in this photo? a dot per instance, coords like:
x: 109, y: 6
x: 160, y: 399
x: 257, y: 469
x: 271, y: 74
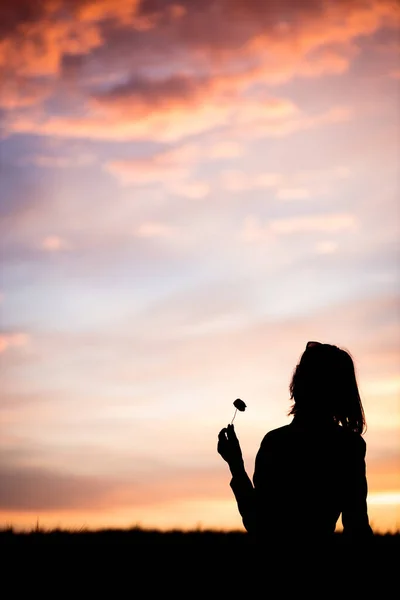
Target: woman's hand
x: 229, y: 448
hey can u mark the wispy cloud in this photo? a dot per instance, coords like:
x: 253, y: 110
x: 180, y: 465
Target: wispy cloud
x: 293, y: 194
x: 326, y: 247
x: 52, y: 161
x: 152, y: 229
x: 321, y: 223
x: 255, y: 230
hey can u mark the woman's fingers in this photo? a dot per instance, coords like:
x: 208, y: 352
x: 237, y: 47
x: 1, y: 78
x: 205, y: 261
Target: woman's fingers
x: 230, y: 432
x: 222, y: 434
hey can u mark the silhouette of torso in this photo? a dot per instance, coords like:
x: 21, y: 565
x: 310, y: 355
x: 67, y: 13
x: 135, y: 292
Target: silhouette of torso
x: 305, y: 476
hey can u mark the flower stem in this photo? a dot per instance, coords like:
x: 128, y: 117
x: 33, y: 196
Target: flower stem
x: 234, y: 416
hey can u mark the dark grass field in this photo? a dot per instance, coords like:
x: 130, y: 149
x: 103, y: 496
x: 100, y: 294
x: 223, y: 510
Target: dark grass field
x: 149, y: 563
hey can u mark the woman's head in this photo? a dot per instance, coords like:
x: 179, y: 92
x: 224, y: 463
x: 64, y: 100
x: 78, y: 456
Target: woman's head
x: 324, y: 387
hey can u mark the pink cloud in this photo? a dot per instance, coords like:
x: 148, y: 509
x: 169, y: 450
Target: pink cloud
x: 54, y: 243
x: 154, y: 229
x: 256, y: 231
x: 317, y: 223
x: 23, y: 93
x: 293, y: 193
x: 297, y: 185
x: 194, y: 190
x: 277, y: 128
x: 172, y: 169
x: 326, y: 247
x: 160, y: 168
x: 225, y: 149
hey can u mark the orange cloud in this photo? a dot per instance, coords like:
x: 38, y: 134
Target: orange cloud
x: 384, y: 475
x: 274, y: 118
x: 13, y: 340
x: 269, y: 49
x: 36, y: 49
x: 32, y: 489
x: 123, y: 11
x: 336, y: 23
x: 164, y: 126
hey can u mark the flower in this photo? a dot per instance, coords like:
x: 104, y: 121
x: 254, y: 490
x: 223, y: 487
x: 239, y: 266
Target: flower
x: 239, y: 404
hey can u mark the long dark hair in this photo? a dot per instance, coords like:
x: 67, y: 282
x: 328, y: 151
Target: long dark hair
x: 324, y: 387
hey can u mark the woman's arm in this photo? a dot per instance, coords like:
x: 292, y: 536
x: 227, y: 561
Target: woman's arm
x: 245, y: 497
x: 242, y: 487
x: 354, y: 512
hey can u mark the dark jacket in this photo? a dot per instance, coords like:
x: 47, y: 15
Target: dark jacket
x: 304, y: 478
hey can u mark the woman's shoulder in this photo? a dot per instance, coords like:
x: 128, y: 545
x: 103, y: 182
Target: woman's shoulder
x: 277, y: 434
x: 345, y: 437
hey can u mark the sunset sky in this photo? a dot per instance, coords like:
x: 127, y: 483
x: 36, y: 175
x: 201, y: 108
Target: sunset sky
x: 190, y: 190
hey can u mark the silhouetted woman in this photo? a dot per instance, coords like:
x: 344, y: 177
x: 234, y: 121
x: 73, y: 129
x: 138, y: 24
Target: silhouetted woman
x: 311, y: 471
